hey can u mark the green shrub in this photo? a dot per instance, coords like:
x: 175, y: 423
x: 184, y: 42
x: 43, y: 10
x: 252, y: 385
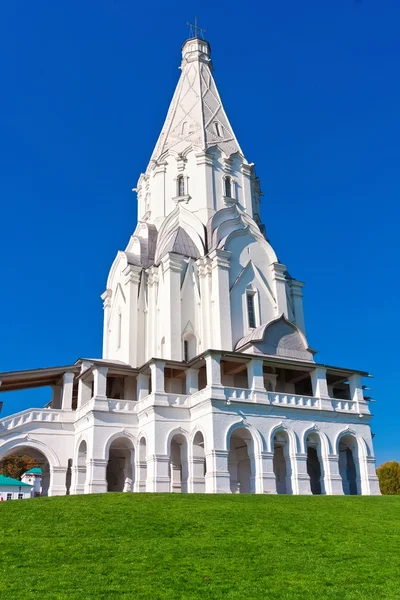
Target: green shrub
x: 389, y: 478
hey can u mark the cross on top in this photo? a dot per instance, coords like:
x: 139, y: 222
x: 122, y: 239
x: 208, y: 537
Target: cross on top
x: 195, y: 31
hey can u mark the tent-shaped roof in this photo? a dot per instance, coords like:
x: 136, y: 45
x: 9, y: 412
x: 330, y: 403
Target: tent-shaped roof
x: 10, y: 482
x: 35, y: 471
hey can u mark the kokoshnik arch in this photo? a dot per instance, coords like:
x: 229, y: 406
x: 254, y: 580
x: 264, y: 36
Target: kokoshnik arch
x: 207, y: 382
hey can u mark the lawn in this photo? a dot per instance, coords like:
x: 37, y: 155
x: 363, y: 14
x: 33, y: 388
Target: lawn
x: 170, y: 546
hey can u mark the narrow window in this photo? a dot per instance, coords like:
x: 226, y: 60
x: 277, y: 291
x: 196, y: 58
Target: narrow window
x: 20, y: 496
x: 228, y: 187
x: 218, y: 129
x: 9, y: 496
x: 186, y: 350
x: 119, y: 338
x: 181, y: 186
x: 251, y: 313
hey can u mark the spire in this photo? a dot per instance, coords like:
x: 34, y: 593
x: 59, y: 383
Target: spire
x: 196, y: 116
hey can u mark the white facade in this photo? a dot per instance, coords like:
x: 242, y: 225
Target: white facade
x: 207, y: 382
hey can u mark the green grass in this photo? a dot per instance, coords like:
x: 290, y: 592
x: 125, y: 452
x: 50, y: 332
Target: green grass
x: 157, y: 546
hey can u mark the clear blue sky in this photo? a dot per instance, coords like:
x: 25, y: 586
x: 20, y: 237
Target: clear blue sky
x: 312, y: 90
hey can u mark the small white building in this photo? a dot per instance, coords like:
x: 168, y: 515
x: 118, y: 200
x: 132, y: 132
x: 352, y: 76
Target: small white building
x: 207, y: 382
x: 34, y: 477
x: 13, y: 489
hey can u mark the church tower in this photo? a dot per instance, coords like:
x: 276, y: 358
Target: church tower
x: 207, y: 383
x: 198, y: 272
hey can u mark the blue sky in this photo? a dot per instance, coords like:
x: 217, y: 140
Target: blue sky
x: 313, y: 93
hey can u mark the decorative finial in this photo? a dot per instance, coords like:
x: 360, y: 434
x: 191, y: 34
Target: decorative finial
x: 195, y: 31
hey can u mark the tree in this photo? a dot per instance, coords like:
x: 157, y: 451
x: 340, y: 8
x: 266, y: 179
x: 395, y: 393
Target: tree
x: 389, y: 478
x: 15, y: 465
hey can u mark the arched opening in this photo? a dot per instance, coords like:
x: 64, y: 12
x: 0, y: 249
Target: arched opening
x: 241, y: 462
x: 141, y: 473
x: 199, y: 464
x: 120, y: 467
x: 81, y: 468
x: 348, y: 465
x: 40, y: 488
x: 314, y: 463
x: 189, y: 346
x: 282, y: 467
x: 178, y: 458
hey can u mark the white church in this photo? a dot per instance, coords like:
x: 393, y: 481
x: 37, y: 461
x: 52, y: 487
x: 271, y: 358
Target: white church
x: 207, y: 383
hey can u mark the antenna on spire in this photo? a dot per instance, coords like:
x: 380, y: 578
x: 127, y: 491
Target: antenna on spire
x: 195, y: 31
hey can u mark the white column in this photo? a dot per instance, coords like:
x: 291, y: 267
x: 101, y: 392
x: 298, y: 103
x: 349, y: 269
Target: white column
x: 158, y: 477
x: 356, y: 391
x: 221, y: 300
x: 96, y: 476
x: 100, y: 382
x: 106, y: 297
x: 142, y: 383
x: 192, y: 381
x: 255, y: 375
x: 57, y: 485
x: 278, y: 273
x: 67, y: 390
x: 78, y: 478
x: 213, y: 375
x: 213, y: 369
x: 333, y: 479
x: 373, y: 488
x: 319, y: 384
x: 130, y: 329
x: 265, y: 476
x: 196, y: 480
x: 171, y: 300
x: 302, y: 484
x: 217, y: 475
x: 157, y: 376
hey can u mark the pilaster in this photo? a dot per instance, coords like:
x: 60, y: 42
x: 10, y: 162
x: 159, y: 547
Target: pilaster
x: 171, y: 299
x: 96, y: 476
x: 265, y: 477
x: 57, y: 485
x: 221, y: 301
x: 217, y: 475
x: 106, y: 297
x: 132, y: 274
x: 158, y: 476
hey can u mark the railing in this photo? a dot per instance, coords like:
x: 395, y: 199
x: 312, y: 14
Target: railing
x: 237, y: 393
x: 122, y: 405
x: 284, y: 399
x: 35, y: 415
x: 344, y: 405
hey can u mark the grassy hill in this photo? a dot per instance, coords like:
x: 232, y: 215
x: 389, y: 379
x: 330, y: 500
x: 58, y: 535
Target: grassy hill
x: 157, y: 546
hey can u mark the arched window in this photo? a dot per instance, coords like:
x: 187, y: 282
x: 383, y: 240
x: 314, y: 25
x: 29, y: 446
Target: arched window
x: 181, y: 185
x: 189, y: 346
x: 228, y: 187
